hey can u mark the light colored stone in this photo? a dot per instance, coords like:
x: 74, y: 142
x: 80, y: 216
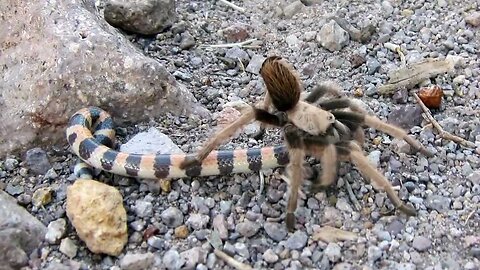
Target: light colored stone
x: 473, y: 18
x: 68, y: 248
x: 97, y: 213
x: 55, y: 230
x: 332, y: 37
x: 87, y: 62
x: 137, y: 261
x: 151, y: 141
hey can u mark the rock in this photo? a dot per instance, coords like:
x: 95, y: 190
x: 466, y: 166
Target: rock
x: 220, y: 225
x: 14, y: 189
x: 333, y: 252
x: 421, y: 243
x: 292, y: 41
x: 242, y: 249
x: 193, y: 256
x: 97, y: 213
x: 332, y: 36
x: 197, y: 221
x: 255, y: 64
x: 140, y: 16
x: 182, y: 232
x: 236, y: 32
x: 374, y: 158
x: 438, y: 202
x: 187, y: 42
x: 172, y: 260
x: 81, y: 68
x: 55, y: 230
x: 143, y: 208
x: 395, y: 227
x: 292, y: 9
x: 236, y: 53
x: 37, y: 161
x: 150, y: 142
x: 473, y: 18
x: 10, y: 164
x: 343, y: 205
x: 68, y: 248
x: 374, y: 253
x: 275, y: 231
x: 42, y: 196
x: 297, y: 240
x: 20, y: 233
x: 406, y: 116
x: 137, y: 261
x: 247, y: 228
x: 172, y: 217
x: 373, y: 65
x: 269, y: 256
x: 155, y: 242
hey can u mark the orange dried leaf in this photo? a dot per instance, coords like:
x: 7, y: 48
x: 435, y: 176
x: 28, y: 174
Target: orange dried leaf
x: 431, y: 96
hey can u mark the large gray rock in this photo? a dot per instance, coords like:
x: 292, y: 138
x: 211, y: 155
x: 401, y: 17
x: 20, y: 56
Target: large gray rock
x: 59, y: 56
x: 140, y: 16
x: 20, y: 233
x: 332, y: 36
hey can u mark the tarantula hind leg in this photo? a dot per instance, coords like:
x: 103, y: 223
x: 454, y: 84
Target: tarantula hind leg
x: 378, y: 181
x: 329, y: 162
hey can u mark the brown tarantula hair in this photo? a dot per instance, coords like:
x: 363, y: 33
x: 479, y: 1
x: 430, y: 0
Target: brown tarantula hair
x: 283, y: 85
x: 331, y: 131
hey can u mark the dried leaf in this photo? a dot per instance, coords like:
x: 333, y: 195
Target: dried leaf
x: 330, y: 234
x: 431, y: 96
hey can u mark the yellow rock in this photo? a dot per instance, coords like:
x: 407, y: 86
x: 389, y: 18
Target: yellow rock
x: 97, y: 213
x: 165, y: 185
x: 181, y: 231
x: 42, y: 196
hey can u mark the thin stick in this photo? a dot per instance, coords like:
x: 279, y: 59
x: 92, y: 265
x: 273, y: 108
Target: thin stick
x: 444, y: 134
x: 231, y: 261
x: 352, y: 197
x: 232, y: 5
x: 229, y: 45
x: 470, y: 215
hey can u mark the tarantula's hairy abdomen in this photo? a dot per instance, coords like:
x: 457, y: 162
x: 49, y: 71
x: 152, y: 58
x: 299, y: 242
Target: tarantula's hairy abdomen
x: 283, y: 84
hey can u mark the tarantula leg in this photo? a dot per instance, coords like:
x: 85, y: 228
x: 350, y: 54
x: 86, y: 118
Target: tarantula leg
x: 328, y: 159
x: 223, y: 135
x: 322, y: 89
x: 378, y: 181
x: 295, y: 170
x: 376, y: 123
x: 267, y: 101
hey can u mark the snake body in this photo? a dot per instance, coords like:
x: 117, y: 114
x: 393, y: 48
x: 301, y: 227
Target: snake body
x: 91, y: 136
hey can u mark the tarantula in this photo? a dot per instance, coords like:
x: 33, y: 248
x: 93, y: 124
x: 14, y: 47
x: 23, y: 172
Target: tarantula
x: 331, y: 131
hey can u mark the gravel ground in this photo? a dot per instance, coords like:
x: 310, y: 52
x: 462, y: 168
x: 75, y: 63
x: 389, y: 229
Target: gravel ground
x: 445, y: 189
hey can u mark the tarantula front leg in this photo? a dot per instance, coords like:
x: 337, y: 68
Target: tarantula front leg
x: 295, y: 170
x: 223, y: 135
x: 251, y: 114
x: 378, y: 181
x: 267, y: 101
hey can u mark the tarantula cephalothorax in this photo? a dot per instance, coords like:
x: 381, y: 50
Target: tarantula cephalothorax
x: 331, y: 131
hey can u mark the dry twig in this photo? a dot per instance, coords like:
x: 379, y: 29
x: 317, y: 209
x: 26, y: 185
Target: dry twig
x: 352, y: 196
x: 444, y: 134
x: 231, y: 261
x: 232, y: 5
x: 330, y: 234
x: 243, y: 44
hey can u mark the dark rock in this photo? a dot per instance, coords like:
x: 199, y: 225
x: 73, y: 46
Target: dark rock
x: 37, y: 161
x: 406, y: 116
x: 20, y: 233
x: 144, y: 17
